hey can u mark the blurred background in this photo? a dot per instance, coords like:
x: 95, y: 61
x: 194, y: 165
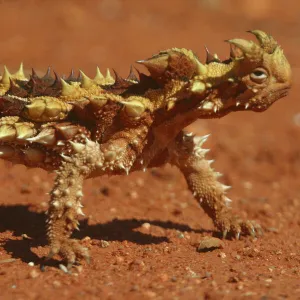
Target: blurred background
x: 115, y: 33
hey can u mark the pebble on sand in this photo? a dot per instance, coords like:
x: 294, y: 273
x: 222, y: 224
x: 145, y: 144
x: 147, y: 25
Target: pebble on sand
x: 209, y: 244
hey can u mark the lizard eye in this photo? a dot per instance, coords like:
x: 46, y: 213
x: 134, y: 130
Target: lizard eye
x: 259, y: 75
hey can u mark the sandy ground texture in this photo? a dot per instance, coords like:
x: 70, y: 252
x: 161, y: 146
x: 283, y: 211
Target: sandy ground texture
x: 142, y: 230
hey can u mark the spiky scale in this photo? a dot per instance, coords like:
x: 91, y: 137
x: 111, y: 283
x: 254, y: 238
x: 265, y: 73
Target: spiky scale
x: 134, y: 108
x: 67, y: 89
x: 207, y: 106
x: 7, y: 133
x: 77, y: 147
x: 99, y: 78
x: 108, y: 78
x: 71, y: 76
x: 45, y: 137
x: 156, y: 65
x: 47, y: 77
x: 20, y: 75
x: 5, y: 80
x: 86, y: 82
x: 209, y: 56
x: 66, y: 130
x: 98, y: 101
x: 25, y: 130
x: 198, y: 87
x: 43, y: 109
x: 131, y: 76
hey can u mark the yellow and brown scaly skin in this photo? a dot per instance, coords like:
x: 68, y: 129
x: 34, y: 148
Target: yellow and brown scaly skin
x: 82, y: 127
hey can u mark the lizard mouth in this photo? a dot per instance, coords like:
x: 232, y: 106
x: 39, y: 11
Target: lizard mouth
x: 270, y: 99
x: 263, y: 102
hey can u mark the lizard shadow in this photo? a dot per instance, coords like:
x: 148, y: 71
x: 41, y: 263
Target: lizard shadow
x: 20, y: 220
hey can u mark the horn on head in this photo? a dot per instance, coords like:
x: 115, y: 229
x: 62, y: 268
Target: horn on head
x: 265, y: 40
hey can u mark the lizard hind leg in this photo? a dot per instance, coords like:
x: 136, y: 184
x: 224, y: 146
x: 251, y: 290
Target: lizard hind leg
x: 65, y: 201
x: 187, y: 154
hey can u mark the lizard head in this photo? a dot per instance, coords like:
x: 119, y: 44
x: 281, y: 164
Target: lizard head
x: 253, y: 78
x: 258, y: 74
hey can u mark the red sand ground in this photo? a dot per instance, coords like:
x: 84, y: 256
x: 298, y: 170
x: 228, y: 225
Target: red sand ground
x: 259, y: 153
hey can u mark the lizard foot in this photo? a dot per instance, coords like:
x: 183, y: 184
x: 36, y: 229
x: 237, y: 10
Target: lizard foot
x: 237, y: 227
x: 70, y: 250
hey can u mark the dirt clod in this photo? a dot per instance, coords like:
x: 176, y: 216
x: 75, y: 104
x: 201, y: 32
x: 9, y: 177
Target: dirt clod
x: 33, y: 274
x: 104, y: 244
x: 209, y: 244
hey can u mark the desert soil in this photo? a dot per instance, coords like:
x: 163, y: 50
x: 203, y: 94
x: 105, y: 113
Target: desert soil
x: 142, y: 230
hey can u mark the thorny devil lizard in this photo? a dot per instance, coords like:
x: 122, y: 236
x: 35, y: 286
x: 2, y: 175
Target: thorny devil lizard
x: 82, y: 127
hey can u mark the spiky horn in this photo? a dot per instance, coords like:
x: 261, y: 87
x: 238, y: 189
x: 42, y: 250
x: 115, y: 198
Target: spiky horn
x: 265, y: 40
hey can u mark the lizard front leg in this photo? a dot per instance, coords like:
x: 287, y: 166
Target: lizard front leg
x: 187, y: 154
x: 65, y: 202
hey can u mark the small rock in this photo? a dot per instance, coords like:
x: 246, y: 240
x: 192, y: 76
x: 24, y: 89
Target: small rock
x: 148, y: 249
x: 180, y: 235
x: 146, y: 226
x: 31, y: 264
x: 183, y: 204
x: 140, y: 182
x: 207, y: 275
x: 150, y: 294
x: 56, y: 283
x: 135, y: 288
x: 210, y: 243
x: 33, y: 274
x: 222, y: 255
x: 119, y: 259
x: 104, y: 244
x: 233, y: 279
x: 25, y: 189
x: 191, y: 273
x: 137, y: 265
x: 86, y: 239
x: 164, y: 277
x: 248, y: 185
x: 166, y: 250
x: 249, y: 294
x: 133, y: 194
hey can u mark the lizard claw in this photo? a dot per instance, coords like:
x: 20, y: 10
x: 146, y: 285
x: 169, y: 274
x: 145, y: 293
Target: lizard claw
x: 70, y: 250
x: 238, y: 227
